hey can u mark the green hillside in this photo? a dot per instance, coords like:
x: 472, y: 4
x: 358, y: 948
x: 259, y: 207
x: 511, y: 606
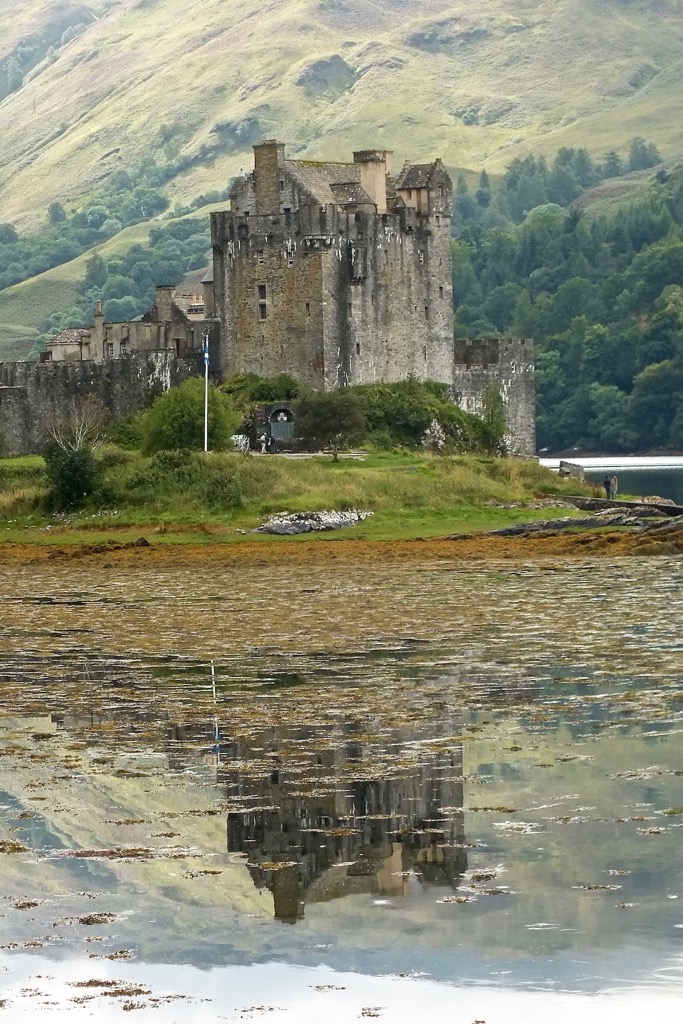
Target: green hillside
x: 89, y: 89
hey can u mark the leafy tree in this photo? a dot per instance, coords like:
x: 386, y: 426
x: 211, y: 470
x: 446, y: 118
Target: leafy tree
x: 608, y: 424
x: 72, y: 475
x: 654, y: 403
x: 8, y: 234
x: 70, y: 465
x: 642, y: 155
x: 175, y: 420
x: 15, y: 75
x: 613, y: 166
x: 56, y: 214
x: 334, y: 418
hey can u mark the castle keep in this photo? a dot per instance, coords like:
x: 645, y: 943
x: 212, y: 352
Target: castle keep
x: 337, y: 273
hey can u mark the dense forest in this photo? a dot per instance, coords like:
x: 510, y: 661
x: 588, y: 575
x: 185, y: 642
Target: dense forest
x: 599, y: 290
x: 597, y: 285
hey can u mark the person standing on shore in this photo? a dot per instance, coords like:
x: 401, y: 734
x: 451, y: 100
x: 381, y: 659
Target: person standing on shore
x: 607, y: 484
x: 614, y: 482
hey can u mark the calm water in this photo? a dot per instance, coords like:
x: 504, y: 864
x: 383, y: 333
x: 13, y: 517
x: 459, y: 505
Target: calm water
x: 665, y: 483
x: 342, y: 791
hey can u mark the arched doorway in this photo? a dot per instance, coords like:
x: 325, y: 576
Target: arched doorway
x: 281, y: 422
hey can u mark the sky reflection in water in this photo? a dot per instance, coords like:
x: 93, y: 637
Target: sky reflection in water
x: 455, y: 772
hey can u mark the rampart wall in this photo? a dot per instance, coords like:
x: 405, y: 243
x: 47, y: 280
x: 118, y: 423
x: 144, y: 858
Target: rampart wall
x: 507, y: 363
x: 33, y: 396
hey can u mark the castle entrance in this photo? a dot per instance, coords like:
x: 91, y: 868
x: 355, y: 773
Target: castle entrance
x: 282, y: 424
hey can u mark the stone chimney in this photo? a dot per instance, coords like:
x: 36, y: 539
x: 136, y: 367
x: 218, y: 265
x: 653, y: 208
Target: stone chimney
x: 163, y: 301
x: 375, y: 164
x: 269, y: 171
x: 97, y: 333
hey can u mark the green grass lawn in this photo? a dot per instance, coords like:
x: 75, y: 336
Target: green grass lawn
x: 189, y: 498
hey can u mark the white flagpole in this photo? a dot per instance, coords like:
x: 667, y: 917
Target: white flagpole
x: 206, y: 390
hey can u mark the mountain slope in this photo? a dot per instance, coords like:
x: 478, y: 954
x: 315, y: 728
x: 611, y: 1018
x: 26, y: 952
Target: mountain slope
x: 196, y: 82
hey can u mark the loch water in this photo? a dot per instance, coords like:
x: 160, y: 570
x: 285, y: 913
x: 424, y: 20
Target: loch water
x: 342, y: 791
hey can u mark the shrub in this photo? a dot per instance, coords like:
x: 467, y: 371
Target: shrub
x: 72, y: 475
x: 176, y: 419
x: 335, y: 418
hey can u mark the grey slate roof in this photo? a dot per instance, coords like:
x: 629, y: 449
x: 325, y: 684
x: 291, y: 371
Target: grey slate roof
x: 350, y: 193
x: 70, y: 336
x: 415, y: 176
x: 317, y: 178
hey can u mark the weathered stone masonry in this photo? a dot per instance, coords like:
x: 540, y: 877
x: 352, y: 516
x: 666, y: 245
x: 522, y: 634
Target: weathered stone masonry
x: 509, y: 364
x: 335, y: 272
x: 340, y: 274
x: 33, y: 396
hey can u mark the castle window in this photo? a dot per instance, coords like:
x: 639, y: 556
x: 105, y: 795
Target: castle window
x: 261, y: 258
x: 424, y: 353
x: 438, y: 220
x: 410, y: 193
x: 357, y: 348
x: 262, y: 304
x: 110, y: 348
x: 426, y: 312
x: 350, y: 309
x: 290, y: 260
x: 440, y: 291
x: 421, y: 257
x: 308, y: 309
x: 123, y: 347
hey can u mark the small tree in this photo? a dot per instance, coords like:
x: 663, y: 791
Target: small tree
x: 69, y: 460
x: 176, y: 419
x: 333, y: 418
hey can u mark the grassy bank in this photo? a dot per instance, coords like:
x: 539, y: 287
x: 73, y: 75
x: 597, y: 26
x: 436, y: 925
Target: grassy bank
x: 183, y: 497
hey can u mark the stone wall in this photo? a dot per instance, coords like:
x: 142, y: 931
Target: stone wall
x: 33, y: 395
x: 508, y: 363
x: 334, y: 297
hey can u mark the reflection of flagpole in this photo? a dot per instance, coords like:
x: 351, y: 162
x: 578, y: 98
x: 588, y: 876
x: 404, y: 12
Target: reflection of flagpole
x: 206, y: 389
x: 216, y: 730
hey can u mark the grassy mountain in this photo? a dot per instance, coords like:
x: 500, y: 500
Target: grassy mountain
x: 91, y: 89
x: 87, y: 89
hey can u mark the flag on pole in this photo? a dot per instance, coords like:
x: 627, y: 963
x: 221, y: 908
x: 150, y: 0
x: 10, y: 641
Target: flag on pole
x: 206, y: 390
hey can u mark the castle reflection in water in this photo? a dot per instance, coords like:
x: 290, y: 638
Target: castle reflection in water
x: 320, y: 826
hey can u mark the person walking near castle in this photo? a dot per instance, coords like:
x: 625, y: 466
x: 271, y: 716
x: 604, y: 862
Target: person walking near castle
x: 607, y: 484
x: 614, y: 486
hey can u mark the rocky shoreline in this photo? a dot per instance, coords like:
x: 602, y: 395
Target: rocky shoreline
x: 549, y: 539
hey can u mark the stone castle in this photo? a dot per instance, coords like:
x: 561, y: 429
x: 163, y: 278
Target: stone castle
x: 336, y: 273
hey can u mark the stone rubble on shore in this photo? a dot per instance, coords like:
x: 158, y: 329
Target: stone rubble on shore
x: 288, y: 524
x: 639, y: 519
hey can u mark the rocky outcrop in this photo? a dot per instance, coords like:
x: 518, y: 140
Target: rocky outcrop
x: 289, y: 524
